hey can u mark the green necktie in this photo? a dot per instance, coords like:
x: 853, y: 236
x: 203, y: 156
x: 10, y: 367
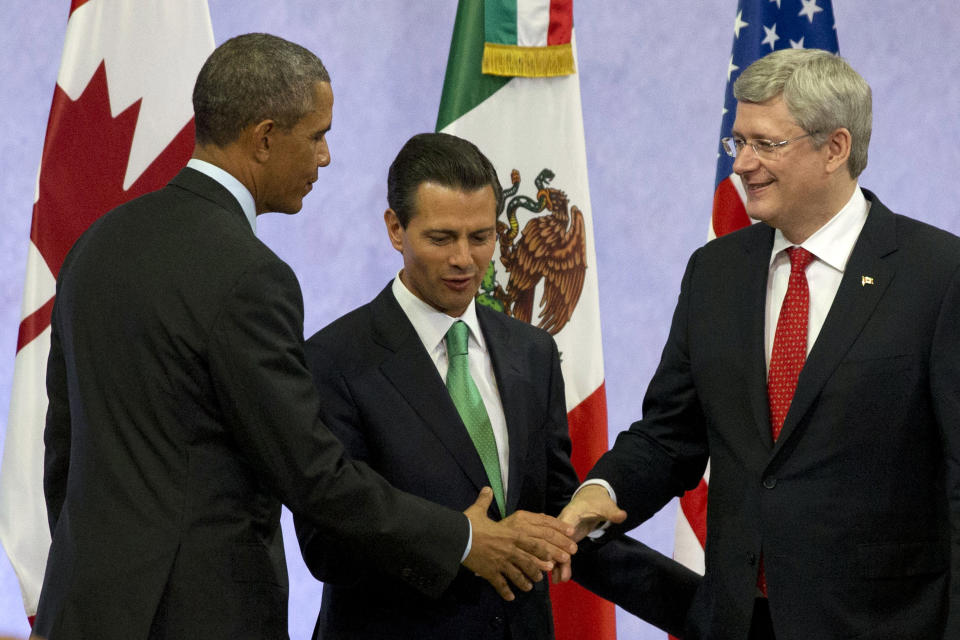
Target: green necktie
x: 469, y: 404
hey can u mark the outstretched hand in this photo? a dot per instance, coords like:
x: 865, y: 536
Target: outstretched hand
x: 517, y: 549
x: 591, y: 507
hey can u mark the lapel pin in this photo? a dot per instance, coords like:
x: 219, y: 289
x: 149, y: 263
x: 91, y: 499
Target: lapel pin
x: 865, y: 280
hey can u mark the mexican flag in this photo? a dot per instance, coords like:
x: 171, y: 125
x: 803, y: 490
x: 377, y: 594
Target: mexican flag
x: 512, y: 89
x: 121, y: 124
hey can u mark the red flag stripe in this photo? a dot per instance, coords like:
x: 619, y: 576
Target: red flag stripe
x: 560, y: 29
x: 577, y: 612
x: 76, y: 4
x: 34, y: 324
x: 588, y: 430
x: 694, y: 505
x: 729, y: 213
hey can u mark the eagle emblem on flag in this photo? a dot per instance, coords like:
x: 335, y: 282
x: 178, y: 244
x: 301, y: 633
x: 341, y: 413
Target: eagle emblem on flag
x: 552, y: 248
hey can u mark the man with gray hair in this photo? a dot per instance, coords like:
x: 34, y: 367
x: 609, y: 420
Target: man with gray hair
x: 182, y: 413
x: 815, y: 360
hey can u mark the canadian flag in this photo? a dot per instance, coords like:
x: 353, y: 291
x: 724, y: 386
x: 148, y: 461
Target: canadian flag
x: 121, y: 124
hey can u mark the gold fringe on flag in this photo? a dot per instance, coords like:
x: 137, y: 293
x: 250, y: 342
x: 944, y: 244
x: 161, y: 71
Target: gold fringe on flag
x: 528, y: 62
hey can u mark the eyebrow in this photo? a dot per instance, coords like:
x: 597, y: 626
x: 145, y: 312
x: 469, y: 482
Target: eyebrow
x: 454, y: 232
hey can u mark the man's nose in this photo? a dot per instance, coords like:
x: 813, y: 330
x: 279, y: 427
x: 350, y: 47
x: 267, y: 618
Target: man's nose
x: 460, y: 253
x: 323, y: 154
x: 746, y: 160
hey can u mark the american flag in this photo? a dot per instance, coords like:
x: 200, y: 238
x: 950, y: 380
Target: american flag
x: 760, y: 26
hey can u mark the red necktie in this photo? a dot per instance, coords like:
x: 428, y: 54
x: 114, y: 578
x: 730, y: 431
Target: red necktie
x: 790, y: 341
x: 789, y: 352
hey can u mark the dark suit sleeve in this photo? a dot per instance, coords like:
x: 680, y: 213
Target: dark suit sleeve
x: 640, y: 580
x: 561, y: 478
x: 665, y: 453
x: 271, y: 404
x: 56, y: 434
x: 326, y: 559
x: 945, y: 391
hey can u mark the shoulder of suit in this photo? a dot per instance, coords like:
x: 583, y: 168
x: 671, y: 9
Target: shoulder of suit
x: 345, y: 330
x: 932, y: 243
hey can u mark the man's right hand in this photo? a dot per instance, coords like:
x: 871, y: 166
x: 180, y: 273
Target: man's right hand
x: 519, y: 548
x: 589, y: 509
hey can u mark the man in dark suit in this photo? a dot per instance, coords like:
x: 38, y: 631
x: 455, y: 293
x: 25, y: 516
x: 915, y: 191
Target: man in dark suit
x: 381, y: 371
x: 827, y: 397
x: 182, y: 412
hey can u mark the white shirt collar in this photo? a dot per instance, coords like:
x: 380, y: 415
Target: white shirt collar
x: 832, y: 243
x: 432, y: 325
x: 231, y: 184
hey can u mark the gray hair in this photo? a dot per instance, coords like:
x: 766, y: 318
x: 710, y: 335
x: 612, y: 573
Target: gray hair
x: 442, y: 159
x: 251, y: 78
x: 822, y: 92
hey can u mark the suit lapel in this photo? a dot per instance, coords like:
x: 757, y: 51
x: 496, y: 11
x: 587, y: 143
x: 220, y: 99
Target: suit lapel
x: 510, y: 384
x: 852, y: 307
x: 410, y: 369
x: 752, y: 305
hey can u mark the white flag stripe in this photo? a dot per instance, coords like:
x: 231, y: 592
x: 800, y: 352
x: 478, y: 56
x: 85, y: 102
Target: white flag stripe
x: 23, y: 526
x: 687, y: 550
x: 40, y: 284
x: 579, y: 341
x: 533, y: 22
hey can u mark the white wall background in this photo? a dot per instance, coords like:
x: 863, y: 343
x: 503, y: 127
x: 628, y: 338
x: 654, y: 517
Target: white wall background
x: 652, y: 79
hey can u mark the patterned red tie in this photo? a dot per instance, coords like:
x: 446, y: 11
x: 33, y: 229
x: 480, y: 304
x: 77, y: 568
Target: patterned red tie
x: 790, y: 341
x: 789, y: 353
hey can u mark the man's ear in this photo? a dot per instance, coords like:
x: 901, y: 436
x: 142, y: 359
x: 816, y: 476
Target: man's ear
x: 260, y: 139
x: 838, y: 149
x: 394, y: 229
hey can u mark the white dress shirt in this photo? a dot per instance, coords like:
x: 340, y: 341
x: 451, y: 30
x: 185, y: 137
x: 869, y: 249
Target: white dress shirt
x: 432, y: 326
x: 831, y: 246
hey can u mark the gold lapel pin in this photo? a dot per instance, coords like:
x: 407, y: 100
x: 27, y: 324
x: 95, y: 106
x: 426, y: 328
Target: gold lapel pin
x: 865, y: 280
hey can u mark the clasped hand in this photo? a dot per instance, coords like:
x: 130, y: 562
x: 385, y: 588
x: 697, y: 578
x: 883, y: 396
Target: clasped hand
x: 518, y: 549
x: 589, y: 509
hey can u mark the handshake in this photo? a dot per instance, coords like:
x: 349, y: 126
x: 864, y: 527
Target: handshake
x: 524, y: 545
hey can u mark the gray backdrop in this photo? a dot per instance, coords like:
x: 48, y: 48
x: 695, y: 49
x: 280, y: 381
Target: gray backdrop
x: 652, y: 78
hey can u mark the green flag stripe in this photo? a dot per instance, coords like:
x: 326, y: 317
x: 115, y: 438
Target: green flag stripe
x: 464, y: 86
x: 500, y: 21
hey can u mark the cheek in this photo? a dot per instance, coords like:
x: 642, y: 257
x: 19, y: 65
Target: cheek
x: 483, y: 255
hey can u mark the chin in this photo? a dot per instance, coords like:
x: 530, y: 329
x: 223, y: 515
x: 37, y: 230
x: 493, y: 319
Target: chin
x: 291, y: 208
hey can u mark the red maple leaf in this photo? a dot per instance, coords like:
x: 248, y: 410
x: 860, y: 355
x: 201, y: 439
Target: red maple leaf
x: 81, y: 175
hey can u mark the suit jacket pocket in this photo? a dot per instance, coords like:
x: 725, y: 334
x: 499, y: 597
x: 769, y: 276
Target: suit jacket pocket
x: 897, y: 559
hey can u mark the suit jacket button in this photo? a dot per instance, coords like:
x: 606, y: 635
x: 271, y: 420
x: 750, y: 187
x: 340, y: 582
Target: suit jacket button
x: 769, y: 482
x: 751, y: 558
x: 496, y: 621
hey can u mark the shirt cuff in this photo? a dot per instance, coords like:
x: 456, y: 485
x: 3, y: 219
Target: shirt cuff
x: 602, y: 529
x: 466, y: 551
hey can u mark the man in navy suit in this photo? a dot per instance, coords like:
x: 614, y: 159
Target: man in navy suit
x: 381, y: 372
x: 823, y: 383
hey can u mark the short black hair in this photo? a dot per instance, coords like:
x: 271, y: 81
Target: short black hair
x: 251, y: 78
x: 440, y: 158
